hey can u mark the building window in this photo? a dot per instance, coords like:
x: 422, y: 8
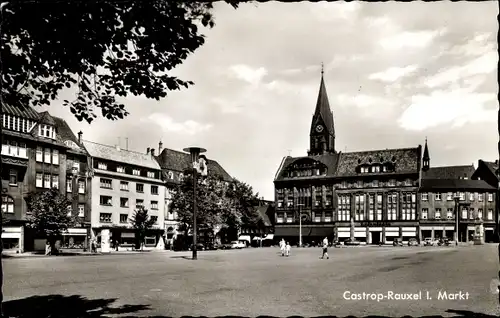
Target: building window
x: 124, y: 202
x: 280, y: 217
x: 154, y: 205
x: 437, y: 196
x: 154, y: 189
x: 139, y: 187
x: 151, y: 174
x: 364, y: 170
x: 106, y: 200
x: 55, y: 181
x: 317, y: 216
x: 344, y: 209
x: 392, y: 206
x: 437, y: 214
x: 81, y: 210
x: 69, y: 185
x: 120, y: 169
x: 105, y: 217
x: 375, y: 183
x: 170, y: 175
x: 425, y: 196
x: 480, y: 197
x: 462, y: 196
x: 136, y: 172
x: 449, y: 213
x: 46, y: 181
x: 471, y: 214
x: 490, y: 214
x: 359, y: 206
x: 471, y: 196
x: 328, y: 216
x: 425, y: 213
x: 376, y: 168
x: 39, y: 180
x: 480, y: 213
x: 289, y: 200
x: 490, y: 197
x: 392, y: 183
x: 13, y: 177
x: 464, y: 213
x: 139, y: 203
x: 39, y: 154
x: 69, y: 208
x: 123, y: 218
x: 81, y: 187
x: 55, y: 157
x: 409, y: 206
x: 181, y: 177
x: 7, y: 204
x: 408, y: 182
x: 371, y: 207
x: 449, y: 196
x: 102, y: 166
x: 289, y: 218
x: 106, y: 183
x: 47, y: 155
x: 154, y: 218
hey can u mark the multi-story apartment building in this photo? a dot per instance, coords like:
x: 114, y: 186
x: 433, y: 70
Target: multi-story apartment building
x: 35, y: 148
x: 122, y: 181
x: 446, y: 190
x: 261, y: 233
x: 369, y: 196
x: 173, y: 165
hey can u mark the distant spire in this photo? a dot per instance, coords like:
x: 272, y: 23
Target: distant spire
x: 426, y: 158
x: 322, y: 69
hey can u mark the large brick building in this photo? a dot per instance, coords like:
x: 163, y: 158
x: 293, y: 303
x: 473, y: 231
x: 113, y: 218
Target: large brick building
x: 39, y: 152
x: 446, y: 190
x: 368, y: 195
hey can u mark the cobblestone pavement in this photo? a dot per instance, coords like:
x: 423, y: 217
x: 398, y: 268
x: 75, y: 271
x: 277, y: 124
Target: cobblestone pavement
x: 254, y: 282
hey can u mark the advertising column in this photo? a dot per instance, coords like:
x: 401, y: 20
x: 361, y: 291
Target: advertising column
x: 105, y: 241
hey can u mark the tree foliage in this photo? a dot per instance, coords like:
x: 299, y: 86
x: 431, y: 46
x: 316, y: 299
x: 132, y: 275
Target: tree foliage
x: 49, y: 214
x: 103, y: 49
x: 219, y: 205
x: 141, y: 222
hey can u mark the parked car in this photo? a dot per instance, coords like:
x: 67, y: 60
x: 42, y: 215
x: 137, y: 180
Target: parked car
x: 211, y: 246
x: 350, y: 242
x: 238, y: 245
x: 397, y: 242
x: 428, y: 242
x: 444, y: 241
x: 412, y: 242
x: 199, y: 247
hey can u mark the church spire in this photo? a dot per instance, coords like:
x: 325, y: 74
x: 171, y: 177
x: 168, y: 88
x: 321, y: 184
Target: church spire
x: 426, y: 158
x: 323, y: 106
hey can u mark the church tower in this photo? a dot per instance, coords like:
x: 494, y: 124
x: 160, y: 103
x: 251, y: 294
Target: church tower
x: 426, y: 158
x: 322, y: 134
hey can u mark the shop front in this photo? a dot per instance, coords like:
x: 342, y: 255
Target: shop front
x: 437, y: 231
x: 75, y: 238
x: 12, y: 238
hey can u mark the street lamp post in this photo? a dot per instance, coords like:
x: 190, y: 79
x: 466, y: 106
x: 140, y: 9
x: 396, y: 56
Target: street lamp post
x: 456, y: 198
x: 195, y: 153
x: 300, y: 224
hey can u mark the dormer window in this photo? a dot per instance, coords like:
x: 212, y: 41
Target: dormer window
x: 384, y: 168
x: 364, y: 170
x: 376, y: 169
x: 46, y: 131
x: 170, y: 175
x: 71, y: 144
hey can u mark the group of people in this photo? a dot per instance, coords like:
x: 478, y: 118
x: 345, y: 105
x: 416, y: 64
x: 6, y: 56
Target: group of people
x: 286, y: 248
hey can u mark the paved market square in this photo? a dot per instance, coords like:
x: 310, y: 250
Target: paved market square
x: 253, y: 282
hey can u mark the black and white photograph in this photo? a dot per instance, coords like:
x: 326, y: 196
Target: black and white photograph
x: 249, y: 158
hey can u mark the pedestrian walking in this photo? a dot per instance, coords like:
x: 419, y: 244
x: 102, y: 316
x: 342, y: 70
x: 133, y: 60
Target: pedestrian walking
x: 93, y: 246
x: 288, y: 248
x: 325, y: 249
x: 282, y: 247
x: 48, y: 249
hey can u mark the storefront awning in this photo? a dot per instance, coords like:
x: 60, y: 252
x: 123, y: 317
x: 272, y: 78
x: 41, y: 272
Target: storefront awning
x: 269, y: 237
x: 244, y: 238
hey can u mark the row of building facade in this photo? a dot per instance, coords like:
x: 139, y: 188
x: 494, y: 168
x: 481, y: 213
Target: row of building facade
x: 104, y: 183
x: 378, y: 195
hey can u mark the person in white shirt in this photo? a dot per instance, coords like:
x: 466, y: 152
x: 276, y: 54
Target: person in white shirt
x: 325, y: 249
x: 288, y: 248
x: 282, y: 247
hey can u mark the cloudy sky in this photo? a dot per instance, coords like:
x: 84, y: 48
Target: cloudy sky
x: 395, y: 73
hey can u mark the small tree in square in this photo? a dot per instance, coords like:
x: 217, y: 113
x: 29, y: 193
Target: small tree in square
x: 49, y: 215
x: 141, y: 222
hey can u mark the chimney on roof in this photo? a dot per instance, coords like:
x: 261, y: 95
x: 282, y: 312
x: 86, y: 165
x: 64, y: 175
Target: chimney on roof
x: 147, y: 151
x: 80, y: 137
x: 153, y: 152
x: 160, y: 147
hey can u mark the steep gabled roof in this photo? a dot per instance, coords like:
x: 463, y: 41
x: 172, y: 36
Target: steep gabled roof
x: 426, y: 152
x: 65, y: 133
x: 454, y: 185
x: 449, y: 172
x: 46, y: 118
x: 405, y: 160
x: 492, y: 166
x: 174, y: 160
x: 20, y: 111
x: 112, y: 153
x: 330, y: 160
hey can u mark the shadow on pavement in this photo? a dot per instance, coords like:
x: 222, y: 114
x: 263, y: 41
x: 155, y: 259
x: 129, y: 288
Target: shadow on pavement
x: 184, y: 257
x: 59, y: 306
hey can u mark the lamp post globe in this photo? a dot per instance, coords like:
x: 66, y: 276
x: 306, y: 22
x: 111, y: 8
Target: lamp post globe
x: 195, y: 153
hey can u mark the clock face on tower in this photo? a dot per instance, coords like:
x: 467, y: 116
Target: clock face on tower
x: 319, y: 128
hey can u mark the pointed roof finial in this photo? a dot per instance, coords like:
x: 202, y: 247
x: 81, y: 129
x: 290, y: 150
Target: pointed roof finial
x: 322, y: 69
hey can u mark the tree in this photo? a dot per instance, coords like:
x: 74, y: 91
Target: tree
x: 49, y: 215
x: 244, y: 200
x: 141, y: 222
x: 213, y: 207
x: 103, y: 49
